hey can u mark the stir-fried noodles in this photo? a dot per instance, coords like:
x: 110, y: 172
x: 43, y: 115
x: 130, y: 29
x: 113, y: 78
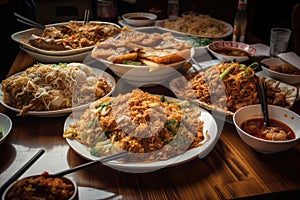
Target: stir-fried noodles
x: 46, y: 87
x: 228, y: 86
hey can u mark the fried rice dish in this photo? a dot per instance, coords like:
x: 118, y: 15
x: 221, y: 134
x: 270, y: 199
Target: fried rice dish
x: 42, y: 187
x: 73, y: 35
x: 197, y: 25
x: 152, y: 127
x: 48, y: 87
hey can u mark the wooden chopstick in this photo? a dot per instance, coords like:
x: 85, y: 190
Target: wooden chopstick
x: 29, y: 22
x: 21, y: 170
x: 79, y: 167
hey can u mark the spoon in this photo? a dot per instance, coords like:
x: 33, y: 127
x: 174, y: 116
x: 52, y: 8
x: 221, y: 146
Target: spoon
x: 261, y: 90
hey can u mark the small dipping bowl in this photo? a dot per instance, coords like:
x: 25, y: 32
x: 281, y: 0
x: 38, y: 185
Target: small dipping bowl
x: 280, y: 114
x: 139, y: 18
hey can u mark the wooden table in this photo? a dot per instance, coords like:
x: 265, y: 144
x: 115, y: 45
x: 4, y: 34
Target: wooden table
x: 231, y: 170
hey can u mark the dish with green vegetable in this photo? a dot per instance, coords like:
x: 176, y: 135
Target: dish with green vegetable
x: 5, y: 127
x: 196, y: 41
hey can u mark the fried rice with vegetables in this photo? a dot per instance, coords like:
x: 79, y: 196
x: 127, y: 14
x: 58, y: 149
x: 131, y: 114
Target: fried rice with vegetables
x: 150, y: 126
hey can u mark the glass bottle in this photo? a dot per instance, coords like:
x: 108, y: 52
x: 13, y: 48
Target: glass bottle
x: 173, y: 9
x: 240, y: 22
x: 107, y: 11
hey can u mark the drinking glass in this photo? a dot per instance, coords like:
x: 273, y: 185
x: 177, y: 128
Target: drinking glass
x: 173, y: 9
x: 279, y: 40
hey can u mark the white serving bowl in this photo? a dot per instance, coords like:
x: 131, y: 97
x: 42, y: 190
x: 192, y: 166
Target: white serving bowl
x: 284, y: 115
x: 45, y: 58
x: 142, y: 75
x: 283, y: 77
x: 5, y: 126
x: 139, y: 18
x: 223, y: 50
x: 65, y: 180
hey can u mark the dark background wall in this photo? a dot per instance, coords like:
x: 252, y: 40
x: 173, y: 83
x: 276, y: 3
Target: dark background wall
x: 262, y: 14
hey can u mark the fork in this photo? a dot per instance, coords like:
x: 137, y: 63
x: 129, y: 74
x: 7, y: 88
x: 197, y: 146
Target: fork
x: 86, y: 16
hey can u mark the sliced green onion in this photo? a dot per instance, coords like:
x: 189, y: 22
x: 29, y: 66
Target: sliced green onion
x: 226, y: 72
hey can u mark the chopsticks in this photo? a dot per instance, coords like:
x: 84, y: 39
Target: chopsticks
x: 86, y: 16
x: 261, y: 90
x: 29, y: 22
x: 102, y: 160
x: 21, y: 170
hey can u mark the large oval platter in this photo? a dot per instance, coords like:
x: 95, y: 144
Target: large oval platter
x: 22, y: 37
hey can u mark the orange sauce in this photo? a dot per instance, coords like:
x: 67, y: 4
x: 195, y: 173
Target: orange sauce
x: 256, y: 128
x: 228, y: 51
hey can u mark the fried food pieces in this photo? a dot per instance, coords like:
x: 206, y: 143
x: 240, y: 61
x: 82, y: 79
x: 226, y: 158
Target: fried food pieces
x: 146, y: 49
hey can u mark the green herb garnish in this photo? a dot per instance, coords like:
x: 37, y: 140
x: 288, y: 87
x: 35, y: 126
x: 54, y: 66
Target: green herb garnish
x: 1, y: 132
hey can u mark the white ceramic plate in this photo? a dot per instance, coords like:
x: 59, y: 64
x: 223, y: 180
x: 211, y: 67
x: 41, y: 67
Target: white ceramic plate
x: 45, y: 58
x: 229, y: 28
x: 22, y: 37
x: 5, y: 126
x: 57, y: 113
x: 210, y: 125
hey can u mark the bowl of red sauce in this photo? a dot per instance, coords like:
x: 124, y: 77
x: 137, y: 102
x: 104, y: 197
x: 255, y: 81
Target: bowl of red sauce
x: 42, y: 187
x: 282, y: 133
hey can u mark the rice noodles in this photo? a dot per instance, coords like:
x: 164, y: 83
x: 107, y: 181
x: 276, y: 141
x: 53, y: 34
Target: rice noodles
x: 45, y: 87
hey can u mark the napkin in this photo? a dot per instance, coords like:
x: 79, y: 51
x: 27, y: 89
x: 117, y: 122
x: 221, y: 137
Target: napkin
x: 261, y: 49
x: 291, y: 57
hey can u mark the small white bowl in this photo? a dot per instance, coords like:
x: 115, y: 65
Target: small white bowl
x: 5, y: 126
x: 223, y: 50
x: 283, y: 77
x: 74, y: 196
x: 284, y: 115
x: 139, y: 18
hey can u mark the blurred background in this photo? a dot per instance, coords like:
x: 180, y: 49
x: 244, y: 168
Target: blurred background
x: 262, y: 15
